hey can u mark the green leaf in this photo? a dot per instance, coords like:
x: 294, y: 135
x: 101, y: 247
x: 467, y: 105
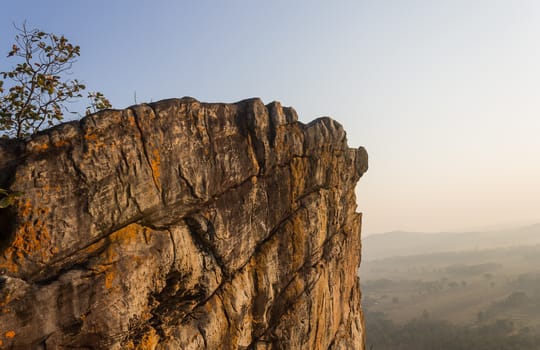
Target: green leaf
x: 5, y: 202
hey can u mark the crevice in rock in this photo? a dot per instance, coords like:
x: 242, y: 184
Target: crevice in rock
x: 7, y: 177
x: 190, y: 187
x: 208, y: 133
x: 333, y: 340
x: 155, y: 177
x: 199, y: 228
x: 228, y: 277
x: 80, y: 174
x: 203, y: 335
x: 246, y: 121
x: 7, y: 227
x: 173, y: 247
x: 54, y: 265
x: 287, y: 307
x: 174, y: 302
x: 303, y: 272
x: 272, y: 127
x: 298, y: 205
x: 215, y: 197
x: 334, y: 336
x: 231, y: 276
x: 137, y: 219
x: 227, y: 317
x: 83, y: 266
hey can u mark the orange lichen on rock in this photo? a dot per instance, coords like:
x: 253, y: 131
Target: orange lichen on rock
x: 61, y: 143
x: 40, y: 147
x: 3, y: 302
x: 155, y: 163
x: 149, y: 340
x: 90, y: 137
x: 8, y: 264
x: 25, y: 208
x: 109, y: 278
x: 93, y: 140
x: 10, y: 334
x: 32, y: 237
x: 126, y: 236
x: 131, y: 120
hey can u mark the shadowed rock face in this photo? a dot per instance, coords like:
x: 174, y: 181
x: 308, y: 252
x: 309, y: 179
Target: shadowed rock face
x: 182, y: 225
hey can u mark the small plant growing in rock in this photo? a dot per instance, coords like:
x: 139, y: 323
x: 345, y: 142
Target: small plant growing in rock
x: 7, y: 198
x: 98, y: 102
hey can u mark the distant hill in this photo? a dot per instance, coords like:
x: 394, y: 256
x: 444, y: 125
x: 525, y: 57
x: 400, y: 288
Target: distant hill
x: 401, y: 243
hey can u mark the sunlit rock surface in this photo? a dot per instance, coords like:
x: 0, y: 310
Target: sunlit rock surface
x: 182, y: 225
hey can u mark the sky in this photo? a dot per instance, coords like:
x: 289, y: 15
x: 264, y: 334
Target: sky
x: 444, y: 95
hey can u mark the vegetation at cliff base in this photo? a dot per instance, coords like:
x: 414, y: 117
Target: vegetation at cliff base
x: 423, y: 333
x: 465, y: 299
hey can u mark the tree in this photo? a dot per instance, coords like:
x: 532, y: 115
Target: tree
x: 38, y: 87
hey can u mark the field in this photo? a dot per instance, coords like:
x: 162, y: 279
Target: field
x: 463, y: 287
x: 471, y: 292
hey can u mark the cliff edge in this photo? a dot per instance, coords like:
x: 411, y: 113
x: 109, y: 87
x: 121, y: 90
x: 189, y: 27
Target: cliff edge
x: 182, y: 225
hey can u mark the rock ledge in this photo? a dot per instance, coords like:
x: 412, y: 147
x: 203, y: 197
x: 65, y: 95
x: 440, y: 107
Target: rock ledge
x: 182, y: 225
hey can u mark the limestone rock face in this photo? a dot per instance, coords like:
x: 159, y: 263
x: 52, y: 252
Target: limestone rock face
x: 182, y: 225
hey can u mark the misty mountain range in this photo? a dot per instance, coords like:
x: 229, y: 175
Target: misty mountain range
x: 401, y: 243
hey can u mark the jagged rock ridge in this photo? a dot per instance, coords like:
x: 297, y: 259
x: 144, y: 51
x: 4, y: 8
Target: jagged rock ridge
x: 182, y: 225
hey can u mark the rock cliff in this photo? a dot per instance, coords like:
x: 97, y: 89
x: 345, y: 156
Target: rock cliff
x: 182, y: 225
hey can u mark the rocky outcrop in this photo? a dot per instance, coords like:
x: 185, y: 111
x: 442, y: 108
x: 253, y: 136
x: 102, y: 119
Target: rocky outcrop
x: 182, y: 225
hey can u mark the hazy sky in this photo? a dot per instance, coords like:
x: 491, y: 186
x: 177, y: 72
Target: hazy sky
x: 445, y: 95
